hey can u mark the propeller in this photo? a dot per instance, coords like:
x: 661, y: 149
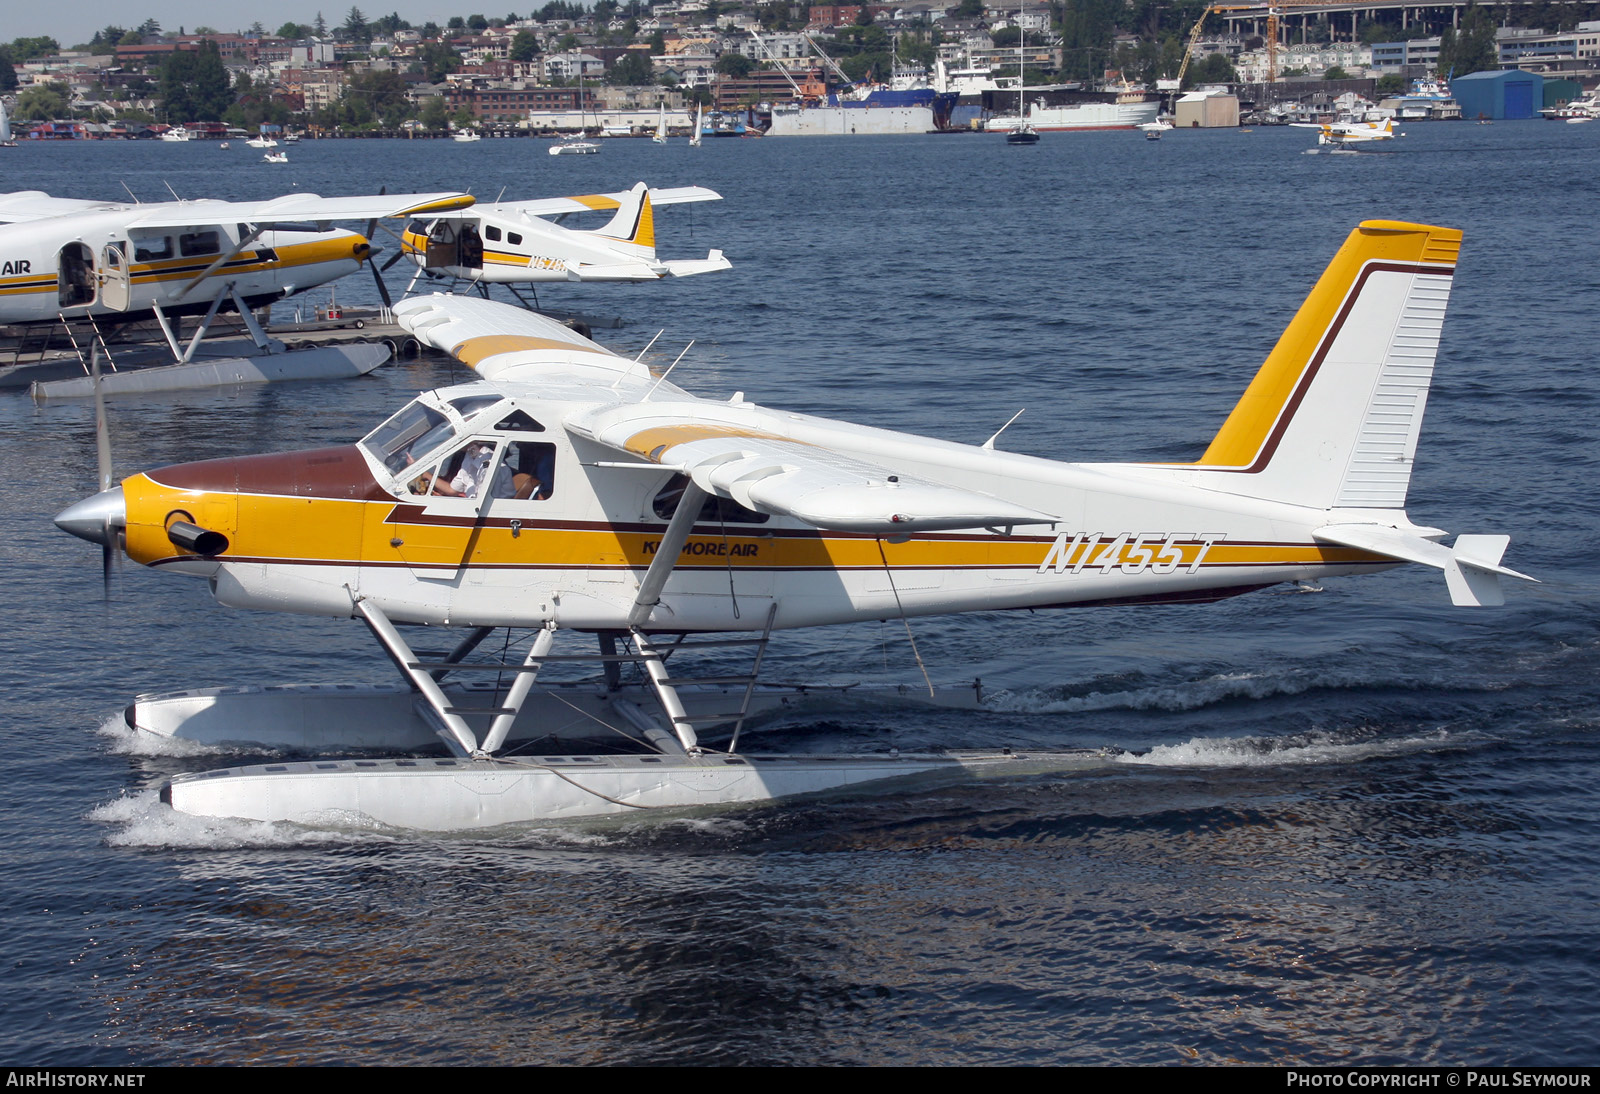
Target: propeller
x: 377, y: 279
x: 109, y: 539
x: 377, y: 274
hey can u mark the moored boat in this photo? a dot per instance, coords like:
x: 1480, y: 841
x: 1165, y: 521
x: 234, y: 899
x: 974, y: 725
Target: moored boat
x: 1121, y: 112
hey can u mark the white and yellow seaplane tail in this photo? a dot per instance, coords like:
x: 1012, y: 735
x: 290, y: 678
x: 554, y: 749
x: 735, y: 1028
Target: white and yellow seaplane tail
x: 63, y: 258
x: 513, y: 243
x: 571, y: 489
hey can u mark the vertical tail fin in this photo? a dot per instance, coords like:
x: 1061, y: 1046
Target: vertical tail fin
x: 634, y: 225
x: 1331, y: 419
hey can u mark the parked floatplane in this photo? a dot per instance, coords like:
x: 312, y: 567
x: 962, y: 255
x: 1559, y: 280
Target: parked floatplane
x: 569, y: 491
x: 95, y: 263
x: 524, y: 243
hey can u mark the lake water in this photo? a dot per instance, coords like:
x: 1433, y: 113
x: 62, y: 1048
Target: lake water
x: 1357, y: 826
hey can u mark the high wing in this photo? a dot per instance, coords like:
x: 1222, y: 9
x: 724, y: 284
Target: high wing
x: 31, y: 205
x: 776, y: 463
x: 774, y: 474
x: 588, y: 203
x: 298, y: 208
x: 26, y: 205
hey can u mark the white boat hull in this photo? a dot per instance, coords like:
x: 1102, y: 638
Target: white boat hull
x: 443, y: 795
x: 1056, y: 119
x: 844, y: 121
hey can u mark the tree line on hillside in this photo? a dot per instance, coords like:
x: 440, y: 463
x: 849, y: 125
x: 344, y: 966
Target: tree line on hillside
x: 194, y: 85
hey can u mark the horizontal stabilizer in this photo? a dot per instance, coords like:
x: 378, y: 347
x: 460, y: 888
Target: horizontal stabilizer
x: 689, y: 267
x: 1471, y: 568
x: 615, y: 271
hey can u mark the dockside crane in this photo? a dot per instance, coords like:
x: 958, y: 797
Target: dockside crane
x: 1274, y: 11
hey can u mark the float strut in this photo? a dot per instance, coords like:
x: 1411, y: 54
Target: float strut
x: 450, y: 726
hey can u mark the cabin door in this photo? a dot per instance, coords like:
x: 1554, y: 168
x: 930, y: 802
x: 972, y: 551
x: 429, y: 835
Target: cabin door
x: 442, y: 250
x: 75, y: 276
x: 115, y: 290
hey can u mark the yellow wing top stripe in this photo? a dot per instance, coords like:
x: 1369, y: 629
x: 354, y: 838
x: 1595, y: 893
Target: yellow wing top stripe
x: 475, y: 350
x: 1246, y: 431
x: 443, y: 205
x: 596, y: 201
x: 651, y: 443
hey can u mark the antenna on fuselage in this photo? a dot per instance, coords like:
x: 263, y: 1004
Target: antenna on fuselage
x: 131, y: 194
x: 667, y: 373
x: 170, y: 190
x: 989, y: 444
x: 628, y: 371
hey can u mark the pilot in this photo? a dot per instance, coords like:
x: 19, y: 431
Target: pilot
x: 477, y: 467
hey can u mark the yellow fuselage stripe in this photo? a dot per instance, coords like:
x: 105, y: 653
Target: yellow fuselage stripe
x: 279, y: 529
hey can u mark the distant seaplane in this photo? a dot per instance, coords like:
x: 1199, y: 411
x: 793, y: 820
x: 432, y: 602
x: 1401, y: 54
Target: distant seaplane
x: 1342, y: 134
x: 524, y: 243
x: 570, y: 491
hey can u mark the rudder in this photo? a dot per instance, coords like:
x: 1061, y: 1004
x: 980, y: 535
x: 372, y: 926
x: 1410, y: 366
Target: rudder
x: 1331, y: 419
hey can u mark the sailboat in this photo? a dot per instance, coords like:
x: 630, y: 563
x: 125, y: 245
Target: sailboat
x: 5, y: 129
x: 1023, y: 133
x: 661, y: 125
x: 699, y: 125
x: 575, y: 145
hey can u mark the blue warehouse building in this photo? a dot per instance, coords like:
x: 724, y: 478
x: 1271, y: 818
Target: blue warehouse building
x: 1509, y: 94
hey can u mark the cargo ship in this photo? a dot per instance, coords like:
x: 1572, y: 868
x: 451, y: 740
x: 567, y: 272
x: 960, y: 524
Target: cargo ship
x: 906, y: 104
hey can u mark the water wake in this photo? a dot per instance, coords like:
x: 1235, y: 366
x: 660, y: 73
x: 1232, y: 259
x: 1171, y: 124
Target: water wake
x: 1297, y: 750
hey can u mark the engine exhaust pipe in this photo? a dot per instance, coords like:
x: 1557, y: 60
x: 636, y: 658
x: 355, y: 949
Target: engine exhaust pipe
x: 195, y: 539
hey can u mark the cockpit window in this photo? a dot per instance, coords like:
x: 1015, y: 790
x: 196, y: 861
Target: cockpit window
x: 518, y: 422
x: 408, y: 436
x: 472, y: 404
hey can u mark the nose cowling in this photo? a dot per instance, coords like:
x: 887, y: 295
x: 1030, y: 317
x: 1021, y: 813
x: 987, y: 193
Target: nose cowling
x: 97, y: 519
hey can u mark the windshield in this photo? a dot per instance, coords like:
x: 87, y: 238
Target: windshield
x: 408, y: 436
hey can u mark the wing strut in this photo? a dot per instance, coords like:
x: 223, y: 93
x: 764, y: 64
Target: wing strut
x: 672, y: 541
x: 222, y: 260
